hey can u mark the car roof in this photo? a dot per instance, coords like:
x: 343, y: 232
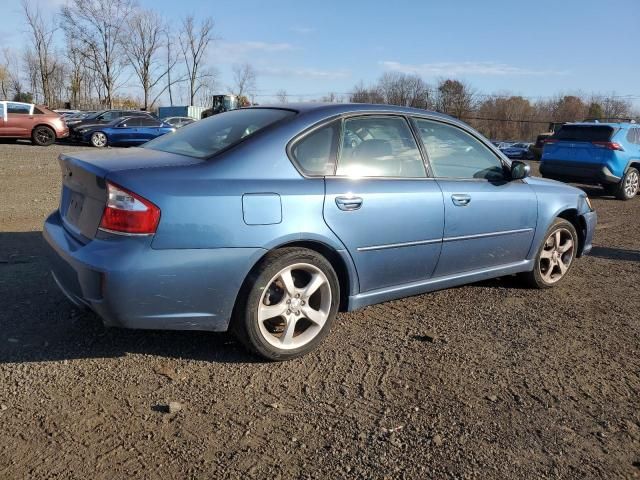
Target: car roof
x: 340, y: 108
x: 604, y: 124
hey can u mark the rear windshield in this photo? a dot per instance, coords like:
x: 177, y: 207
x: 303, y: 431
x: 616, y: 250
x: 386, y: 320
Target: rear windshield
x: 584, y: 133
x: 207, y: 137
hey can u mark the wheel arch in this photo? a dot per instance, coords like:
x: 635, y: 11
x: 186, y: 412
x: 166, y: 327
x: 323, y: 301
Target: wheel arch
x: 634, y: 163
x: 44, y: 125
x: 572, y: 216
x: 347, y: 276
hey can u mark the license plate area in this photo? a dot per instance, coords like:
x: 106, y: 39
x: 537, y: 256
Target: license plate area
x: 74, y: 208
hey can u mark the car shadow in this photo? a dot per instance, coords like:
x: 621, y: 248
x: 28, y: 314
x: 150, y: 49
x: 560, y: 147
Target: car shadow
x: 38, y: 323
x: 616, y: 254
x: 596, y: 192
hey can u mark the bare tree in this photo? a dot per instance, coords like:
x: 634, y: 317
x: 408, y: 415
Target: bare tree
x: 244, y: 78
x: 145, y: 33
x: 455, y: 98
x: 281, y: 96
x: 170, y: 63
x: 4, y: 81
x: 13, y: 82
x: 194, y: 42
x: 98, y: 26
x: 43, y: 59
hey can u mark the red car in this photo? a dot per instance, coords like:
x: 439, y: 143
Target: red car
x: 35, y: 122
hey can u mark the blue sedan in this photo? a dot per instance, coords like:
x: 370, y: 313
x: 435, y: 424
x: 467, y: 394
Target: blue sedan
x: 269, y: 220
x: 124, y: 131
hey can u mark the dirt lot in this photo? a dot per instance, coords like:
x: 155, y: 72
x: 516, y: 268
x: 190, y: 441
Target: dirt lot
x: 486, y: 381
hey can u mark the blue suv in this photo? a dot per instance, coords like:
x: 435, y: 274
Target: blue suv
x: 595, y: 153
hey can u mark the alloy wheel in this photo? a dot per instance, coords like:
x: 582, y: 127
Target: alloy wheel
x: 557, y: 255
x: 631, y: 184
x: 294, y: 306
x: 44, y: 135
x: 99, y: 139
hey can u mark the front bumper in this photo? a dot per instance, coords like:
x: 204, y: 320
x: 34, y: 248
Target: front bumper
x: 577, y: 172
x: 129, y: 284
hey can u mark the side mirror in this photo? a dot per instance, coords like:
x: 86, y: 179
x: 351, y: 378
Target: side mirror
x: 519, y: 170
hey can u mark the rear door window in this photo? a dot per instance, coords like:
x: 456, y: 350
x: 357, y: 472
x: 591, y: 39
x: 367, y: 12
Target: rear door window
x: 1, y: 110
x: 376, y: 146
x: 584, y: 133
x: 130, y: 122
x: 18, y: 108
x: 148, y: 122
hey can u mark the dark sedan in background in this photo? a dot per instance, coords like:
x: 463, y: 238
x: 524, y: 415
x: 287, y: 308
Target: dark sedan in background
x: 123, y: 131
x: 520, y: 151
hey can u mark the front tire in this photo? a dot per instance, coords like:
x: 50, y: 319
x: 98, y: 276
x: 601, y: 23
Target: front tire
x: 99, y: 140
x: 288, y: 304
x: 555, y: 256
x: 43, y: 136
x: 628, y: 186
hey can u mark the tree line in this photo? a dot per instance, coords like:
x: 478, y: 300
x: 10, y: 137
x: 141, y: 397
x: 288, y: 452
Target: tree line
x: 500, y: 117
x: 86, y: 56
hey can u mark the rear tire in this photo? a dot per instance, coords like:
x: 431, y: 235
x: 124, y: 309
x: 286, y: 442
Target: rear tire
x: 628, y: 186
x: 287, y: 305
x: 43, y: 136
x: 555, y: 256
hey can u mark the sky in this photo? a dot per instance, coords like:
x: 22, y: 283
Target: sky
x: 534, y: 48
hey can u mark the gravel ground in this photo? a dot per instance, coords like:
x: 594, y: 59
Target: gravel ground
x: 487, y: 381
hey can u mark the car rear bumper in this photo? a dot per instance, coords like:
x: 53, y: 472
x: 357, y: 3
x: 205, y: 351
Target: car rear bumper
x: 129, y: 284
x: 577, y: 172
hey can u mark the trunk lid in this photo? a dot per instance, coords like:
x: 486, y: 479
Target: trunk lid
x: 84, y: 191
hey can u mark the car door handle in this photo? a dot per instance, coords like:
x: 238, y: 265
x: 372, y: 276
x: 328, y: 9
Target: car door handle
x: 348, y: 203
x: 461, y: 199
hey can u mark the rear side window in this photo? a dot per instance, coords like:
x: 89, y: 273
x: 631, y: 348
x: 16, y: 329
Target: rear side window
x: 633, y: 135
x: 211, y: 135
x: 18, y: 108
x: 584, y: 133
x: 2, y: 110
x: 454, y: 153
x: 37, y: 111
x: 379, y: 147
x: 315, y: 153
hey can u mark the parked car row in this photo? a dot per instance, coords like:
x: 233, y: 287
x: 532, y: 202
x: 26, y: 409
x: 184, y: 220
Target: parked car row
x: 97, y: 128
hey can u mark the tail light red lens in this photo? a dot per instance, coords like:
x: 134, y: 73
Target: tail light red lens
x: 128, y: 213
x: 609, y: 145
x: 549, y: 140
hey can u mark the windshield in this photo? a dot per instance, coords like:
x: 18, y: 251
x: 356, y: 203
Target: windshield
x: 93, y: 115
x: 209, y: 136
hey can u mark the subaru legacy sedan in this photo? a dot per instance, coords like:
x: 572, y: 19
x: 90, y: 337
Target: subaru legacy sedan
x: 269, y: 220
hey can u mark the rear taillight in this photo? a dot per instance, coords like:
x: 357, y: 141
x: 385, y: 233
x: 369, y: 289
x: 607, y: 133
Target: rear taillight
x: 128, y: 213
x: 608, y: 145
x: 549, y: 140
